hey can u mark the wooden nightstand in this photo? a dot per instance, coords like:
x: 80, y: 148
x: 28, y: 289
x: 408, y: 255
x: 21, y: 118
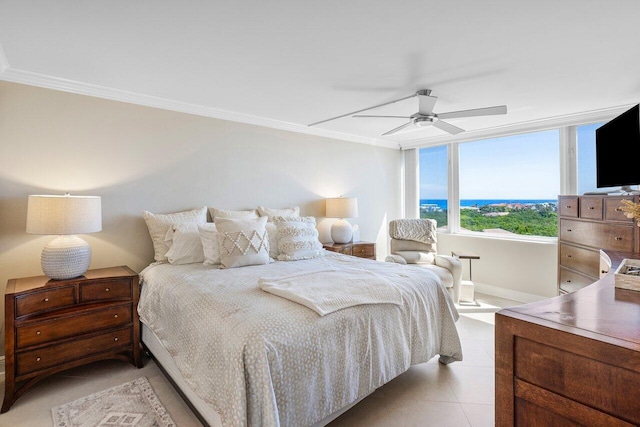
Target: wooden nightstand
x: 359, y: 249
x: 53, y: 325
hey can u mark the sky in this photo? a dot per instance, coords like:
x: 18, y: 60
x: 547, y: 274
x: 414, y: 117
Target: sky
x: 513, y: 167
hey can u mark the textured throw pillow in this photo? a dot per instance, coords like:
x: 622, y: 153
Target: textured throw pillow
x: 159, y: 224
x: 242, y: 242
x: 210, y: 246
x: 185, y: 247
x: 298, y: 238
x: 226, y: 213
x: 271, y: 213
x: 272, y: 231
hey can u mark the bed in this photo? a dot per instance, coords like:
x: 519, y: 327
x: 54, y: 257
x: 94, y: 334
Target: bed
x: 245, y: 356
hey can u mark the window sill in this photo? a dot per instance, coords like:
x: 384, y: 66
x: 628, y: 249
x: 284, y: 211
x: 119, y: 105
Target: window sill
x: 508, y: 237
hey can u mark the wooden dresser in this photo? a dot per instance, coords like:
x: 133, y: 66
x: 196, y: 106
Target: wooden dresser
x: 53, y: 325
x: 358, y: 249
x: 587, y: 224
x: 571, y: 360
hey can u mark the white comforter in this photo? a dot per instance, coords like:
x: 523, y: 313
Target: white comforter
x: 262, y: 360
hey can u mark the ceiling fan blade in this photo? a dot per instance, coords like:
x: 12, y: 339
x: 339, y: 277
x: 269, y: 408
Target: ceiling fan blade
x: 391, y: 117
x: 399, y: 128
x: 364, y: 109
x: 447, y: 127
x: 487, y: 111
x: 426, y: 104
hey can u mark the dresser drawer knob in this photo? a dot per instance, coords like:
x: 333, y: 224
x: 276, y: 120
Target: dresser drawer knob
x: 618, y: 238
x: 115, y: 316
x: 568, y: 206
x: 107, y: 289
x: 618, y: 210
x: 591, y: 207
x: 37, y: 359
x: 568, y: 255
x: 38, y: 332
x: 568, y: 281
x: 603, y: 271
x: 115, y: 339
x: 46, y: 300
x: 568, y: 229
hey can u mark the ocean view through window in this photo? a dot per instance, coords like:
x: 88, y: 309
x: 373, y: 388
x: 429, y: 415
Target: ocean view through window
x: 507, y: 186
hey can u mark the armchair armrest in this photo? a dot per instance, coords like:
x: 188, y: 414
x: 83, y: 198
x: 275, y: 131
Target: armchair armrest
x: 454, y: 265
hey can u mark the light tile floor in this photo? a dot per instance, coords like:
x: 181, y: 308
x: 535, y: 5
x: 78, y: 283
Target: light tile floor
x: 429, y: 394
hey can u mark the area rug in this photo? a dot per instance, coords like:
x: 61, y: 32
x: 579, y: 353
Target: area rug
x: 133, y: 404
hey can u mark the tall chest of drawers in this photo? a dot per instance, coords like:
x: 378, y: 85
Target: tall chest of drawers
x: 53, y: 325
x: 587, y: 224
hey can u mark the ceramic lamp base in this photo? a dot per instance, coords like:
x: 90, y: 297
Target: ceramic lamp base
x: 66, y: 257
x: 341, y: 231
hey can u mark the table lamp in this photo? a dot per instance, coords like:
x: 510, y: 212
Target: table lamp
x: 68, y: 255
x: 342, y: 207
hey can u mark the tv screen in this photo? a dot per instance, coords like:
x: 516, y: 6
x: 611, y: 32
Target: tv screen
x: 618, y: 150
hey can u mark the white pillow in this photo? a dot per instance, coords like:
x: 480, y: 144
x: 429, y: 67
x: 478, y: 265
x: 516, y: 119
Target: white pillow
x: 209, y: 239
x: 242, y: 242
x: 272, y: 231
x: 298, y: 238
x: 226, y: 213
x: 186, y: 247
x: 271, y: 213
x: 159, y: 224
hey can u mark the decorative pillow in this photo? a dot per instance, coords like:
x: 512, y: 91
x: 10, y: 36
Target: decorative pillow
x: 298, y: 238
x: 272, y: 231
x: 209, y: 239
x: 271, y: 213
x: 226, y: 213
x: 186, y: 247
x: 243, y: 242
x: 159, y: 224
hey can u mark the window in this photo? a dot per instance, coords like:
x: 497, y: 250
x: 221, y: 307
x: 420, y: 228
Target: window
x: 586, y: 148
x: 509, y: 185
x: 433, y: 184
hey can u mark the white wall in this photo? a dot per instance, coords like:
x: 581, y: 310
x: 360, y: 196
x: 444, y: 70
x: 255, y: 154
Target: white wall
x: 140, y: 158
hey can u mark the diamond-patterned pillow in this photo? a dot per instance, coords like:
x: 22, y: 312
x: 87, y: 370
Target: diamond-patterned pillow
x: 242, y: 241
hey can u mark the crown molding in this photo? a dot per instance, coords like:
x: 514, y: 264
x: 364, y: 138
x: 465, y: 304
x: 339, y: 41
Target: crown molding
x: 50, y: 82
x: 4, y: 63
x: 575, y: 119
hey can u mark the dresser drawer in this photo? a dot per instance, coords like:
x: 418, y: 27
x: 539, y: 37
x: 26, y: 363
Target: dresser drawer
x: 45, y: 300
x: 612, y: 211
x: 363, y: 251
x: 43, y: 358
x: 568, y: 206
x: 107, y: 290
x: 591, y: 207
x: 617, y: 237
x: 580, y: 259
x: 571, y: 281
x: 72, y: 325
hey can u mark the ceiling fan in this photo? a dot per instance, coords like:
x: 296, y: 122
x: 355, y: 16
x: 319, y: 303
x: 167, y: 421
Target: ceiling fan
x: 425, y: 115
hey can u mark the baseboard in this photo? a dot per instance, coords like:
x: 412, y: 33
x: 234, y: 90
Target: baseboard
x: 497, y: 291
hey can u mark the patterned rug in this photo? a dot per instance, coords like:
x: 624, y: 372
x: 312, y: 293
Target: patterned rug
x: 133, y: 404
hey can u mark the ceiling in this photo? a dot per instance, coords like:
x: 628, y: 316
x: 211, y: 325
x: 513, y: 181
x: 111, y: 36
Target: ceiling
x: 288, y: 63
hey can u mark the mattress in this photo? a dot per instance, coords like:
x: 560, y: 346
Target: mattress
x: 253, y: 358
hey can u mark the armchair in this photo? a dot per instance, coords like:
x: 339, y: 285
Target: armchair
x: 413, y: 241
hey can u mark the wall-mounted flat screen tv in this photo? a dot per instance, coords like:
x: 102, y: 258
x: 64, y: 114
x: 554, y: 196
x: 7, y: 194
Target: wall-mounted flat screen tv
x: 618, y: 151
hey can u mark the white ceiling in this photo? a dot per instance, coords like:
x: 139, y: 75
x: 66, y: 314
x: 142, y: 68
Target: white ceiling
x: 288, y: 63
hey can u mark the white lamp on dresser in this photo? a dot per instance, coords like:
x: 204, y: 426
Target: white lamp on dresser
x: 342, y: 208
x: 68, y: 255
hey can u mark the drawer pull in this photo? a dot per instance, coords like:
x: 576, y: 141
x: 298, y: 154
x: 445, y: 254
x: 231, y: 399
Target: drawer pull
x: 568, y: 206
x: 107, y: 289
x: 603, y: 271
x: 115, y: 316
x: 38, y: 332
x: 568, y: 229
x: 618, y: 238
x: 115, y: 339
x: 618, y: 210
x: 568, y: 255
x: 46, y: 300
x: 37, y: 359
x: 591, y: 207
x: 568, y: 281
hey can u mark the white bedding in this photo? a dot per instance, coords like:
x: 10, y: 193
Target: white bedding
x: 260, y: 359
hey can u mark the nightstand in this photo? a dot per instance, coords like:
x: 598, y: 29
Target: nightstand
x: 358, y: 249
x: 53, y: 325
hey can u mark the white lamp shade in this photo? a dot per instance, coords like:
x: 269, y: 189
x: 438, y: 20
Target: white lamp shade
x: 342, y: 207
x: 64, y: 214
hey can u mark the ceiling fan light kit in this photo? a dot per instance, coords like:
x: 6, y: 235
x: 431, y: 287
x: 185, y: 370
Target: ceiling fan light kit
x: 425, y: 115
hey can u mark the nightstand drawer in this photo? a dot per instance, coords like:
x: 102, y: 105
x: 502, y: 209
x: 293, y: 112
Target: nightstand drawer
x: 37, y: 360
x: 45, y: 300
x: 72, y: 325
x: 105, y: 291
x: 363, y: 251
